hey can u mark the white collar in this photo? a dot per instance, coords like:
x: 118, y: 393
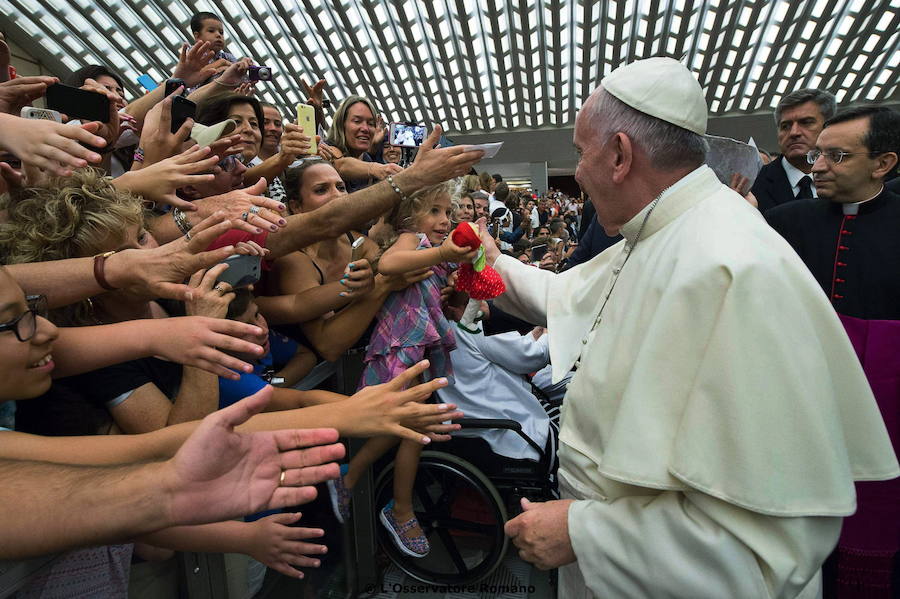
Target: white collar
x: 699, y: 177
x: 793, y: 173
x: 853, y: 207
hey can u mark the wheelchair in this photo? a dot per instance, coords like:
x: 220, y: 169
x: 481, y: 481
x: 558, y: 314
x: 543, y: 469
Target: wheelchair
x: 463, y: 495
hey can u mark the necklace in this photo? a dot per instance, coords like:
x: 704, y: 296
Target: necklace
x: 617, y: 271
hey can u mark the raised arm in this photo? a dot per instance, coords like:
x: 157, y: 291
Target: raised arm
x: 404, y: 257
x: 432, y: 165
x: 216, y: 475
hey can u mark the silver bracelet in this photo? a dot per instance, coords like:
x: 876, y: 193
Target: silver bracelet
x: 181, y: 221
x: 390, y: 180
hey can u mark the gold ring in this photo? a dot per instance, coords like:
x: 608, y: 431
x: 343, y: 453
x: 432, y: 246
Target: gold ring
x: 281, y: 478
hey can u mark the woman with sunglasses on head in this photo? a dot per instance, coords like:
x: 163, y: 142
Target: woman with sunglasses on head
x: 331, y: 297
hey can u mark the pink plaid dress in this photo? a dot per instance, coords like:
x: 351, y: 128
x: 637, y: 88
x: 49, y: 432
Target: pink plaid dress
x: 411, y: 327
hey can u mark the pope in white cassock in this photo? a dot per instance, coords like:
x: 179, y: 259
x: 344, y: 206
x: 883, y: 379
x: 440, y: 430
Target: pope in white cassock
x: 711, y: 436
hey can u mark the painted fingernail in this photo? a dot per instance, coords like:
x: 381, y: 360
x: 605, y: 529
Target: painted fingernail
x: 258, y: 231
x: 273, y: 228
x: 282, y: 222
x: 281, y: 207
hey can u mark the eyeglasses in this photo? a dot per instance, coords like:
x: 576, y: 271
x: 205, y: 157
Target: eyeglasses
x: 25, y: 325
x: 832, y: 156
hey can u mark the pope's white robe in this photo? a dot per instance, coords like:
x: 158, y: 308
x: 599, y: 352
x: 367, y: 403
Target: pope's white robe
x: 711, y: 434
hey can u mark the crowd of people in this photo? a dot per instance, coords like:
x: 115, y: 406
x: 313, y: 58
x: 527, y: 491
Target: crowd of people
x: 169, y: 290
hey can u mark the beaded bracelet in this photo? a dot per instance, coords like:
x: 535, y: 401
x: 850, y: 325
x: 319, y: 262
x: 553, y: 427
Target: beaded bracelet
x: 390, y: 180
x: 181, y: 221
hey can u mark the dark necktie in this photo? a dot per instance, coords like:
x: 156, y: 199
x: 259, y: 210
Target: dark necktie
x: 805, y: 186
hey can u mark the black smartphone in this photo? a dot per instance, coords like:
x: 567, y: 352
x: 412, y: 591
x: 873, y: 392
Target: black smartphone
x: 182, y: 110
x: 172, y: 85
x: 538, y: 251
x: 242, y: 271
x: 78, y: 103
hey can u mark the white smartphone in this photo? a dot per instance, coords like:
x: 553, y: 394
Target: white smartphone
x: 356, y: 249
x: 29, y: 112
x: 306, y: 118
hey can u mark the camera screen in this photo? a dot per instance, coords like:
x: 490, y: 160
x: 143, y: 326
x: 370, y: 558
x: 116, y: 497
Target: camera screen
x: 408, y: 136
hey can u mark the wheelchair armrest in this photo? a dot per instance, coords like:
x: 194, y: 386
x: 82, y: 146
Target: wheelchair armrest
x: 501, y: 423
x: 489, y: 423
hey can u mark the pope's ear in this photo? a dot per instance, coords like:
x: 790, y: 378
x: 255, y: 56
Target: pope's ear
x: 623, y: 153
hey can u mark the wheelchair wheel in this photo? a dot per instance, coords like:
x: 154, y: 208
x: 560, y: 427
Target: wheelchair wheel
x: 459, y: 511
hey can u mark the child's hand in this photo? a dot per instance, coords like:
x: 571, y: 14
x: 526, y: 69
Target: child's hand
x: 404, y: 280
x: 450, y: 252
x: 280, y: 546
x: 359, y: 278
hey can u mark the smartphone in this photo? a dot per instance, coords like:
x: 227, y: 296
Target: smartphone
x: 259, y: 73
x: 172, y: 85
x: 306, y: 118
x: 30, y: 112
x: 538, y: 251
x: 147, y: 82
x: 242, y: 271
x: 407, y: 135
x: 78, y: 103
x: 356, y: 249
x: 182, y: 110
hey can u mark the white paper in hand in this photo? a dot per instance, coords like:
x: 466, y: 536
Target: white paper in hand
x: 490, y: 150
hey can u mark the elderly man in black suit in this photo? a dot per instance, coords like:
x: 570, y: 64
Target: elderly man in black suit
x: 800, y: 117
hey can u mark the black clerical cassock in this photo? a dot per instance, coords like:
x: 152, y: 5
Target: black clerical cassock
x: 853, y: 251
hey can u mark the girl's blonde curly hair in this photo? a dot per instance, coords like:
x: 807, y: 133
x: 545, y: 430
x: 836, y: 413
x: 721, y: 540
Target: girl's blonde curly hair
x: 404, y: 215
x: 75, y: 216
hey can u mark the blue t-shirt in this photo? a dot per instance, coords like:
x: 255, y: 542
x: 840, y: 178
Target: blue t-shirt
x: 281, y: 350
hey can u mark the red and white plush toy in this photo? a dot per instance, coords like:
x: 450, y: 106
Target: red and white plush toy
x: 478, y: 279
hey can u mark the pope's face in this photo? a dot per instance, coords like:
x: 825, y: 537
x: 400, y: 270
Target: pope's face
x: 591, y: 173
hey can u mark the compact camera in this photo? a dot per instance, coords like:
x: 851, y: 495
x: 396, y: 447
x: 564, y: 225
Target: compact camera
x: 259, y: 73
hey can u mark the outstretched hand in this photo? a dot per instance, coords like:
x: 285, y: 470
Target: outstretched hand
x: 392, y: 409
x: 157, y: 182
x: 17, y: 93
x: 49, y: 145
x: 193, y: 64
x: 282, y: 547
x: 434, y: 165
x: 202, y: 342
x: 161, y: 271
x: 237, y: 202
x: 219, y: 473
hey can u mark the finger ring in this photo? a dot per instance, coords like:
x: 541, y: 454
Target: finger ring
x: 254, y: 209
x: 218, y: 287
x: 281, y: 479
x: 245, y: 216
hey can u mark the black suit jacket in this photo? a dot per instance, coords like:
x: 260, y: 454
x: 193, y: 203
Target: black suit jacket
x: 772, y: 187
